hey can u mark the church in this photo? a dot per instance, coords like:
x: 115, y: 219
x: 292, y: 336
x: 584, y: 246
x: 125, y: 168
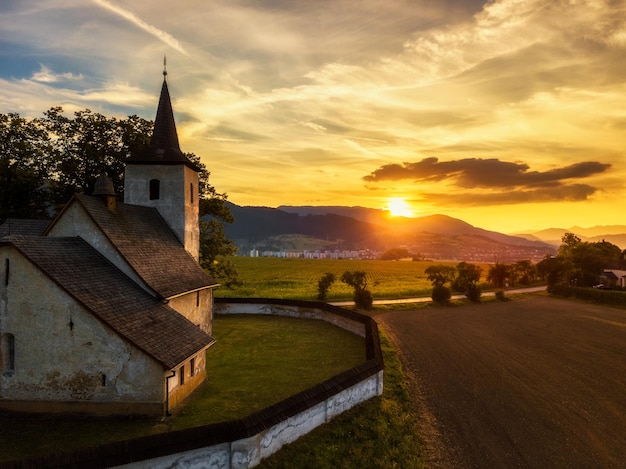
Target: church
x: 107, y: 311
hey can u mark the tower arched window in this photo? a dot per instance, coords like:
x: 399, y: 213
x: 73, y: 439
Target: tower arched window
x: 7, y: 352
x: 155, y: 189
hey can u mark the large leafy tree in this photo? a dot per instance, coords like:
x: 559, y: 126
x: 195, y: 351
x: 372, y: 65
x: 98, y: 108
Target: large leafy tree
x: 89, y: 144
x: 498, y: 274
x: 466, y: 281
x: 583, y: 261
x: 25, y: 150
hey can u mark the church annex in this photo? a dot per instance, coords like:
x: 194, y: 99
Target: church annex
x: 108, y: 311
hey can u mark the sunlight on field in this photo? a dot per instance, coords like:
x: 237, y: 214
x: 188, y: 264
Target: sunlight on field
x: 268, y: 277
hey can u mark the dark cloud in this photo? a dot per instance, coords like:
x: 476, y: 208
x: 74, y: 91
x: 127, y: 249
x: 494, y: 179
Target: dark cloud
x: 484, y: 173
x: 562, y: 193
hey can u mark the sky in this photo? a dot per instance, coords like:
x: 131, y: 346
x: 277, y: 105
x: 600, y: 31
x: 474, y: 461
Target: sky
x: 507, y: 114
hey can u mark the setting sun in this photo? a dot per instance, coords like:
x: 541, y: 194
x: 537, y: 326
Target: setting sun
x: 398, y: 207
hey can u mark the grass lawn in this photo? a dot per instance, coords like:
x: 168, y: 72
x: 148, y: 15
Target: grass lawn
x: 250, y: 350
x: 379, y: 433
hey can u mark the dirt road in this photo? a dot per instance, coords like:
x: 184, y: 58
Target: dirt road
x: 537, y: 382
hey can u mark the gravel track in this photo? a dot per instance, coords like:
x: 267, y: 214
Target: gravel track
x: 537, y: 382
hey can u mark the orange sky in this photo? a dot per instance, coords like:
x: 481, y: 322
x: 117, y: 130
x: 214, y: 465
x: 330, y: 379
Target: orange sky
x: 508, y: 114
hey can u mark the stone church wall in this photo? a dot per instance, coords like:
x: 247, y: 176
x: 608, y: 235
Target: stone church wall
x: 197, y: 307
x: 93, y: 365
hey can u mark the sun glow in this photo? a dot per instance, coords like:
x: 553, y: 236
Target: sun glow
x: 399, y: 207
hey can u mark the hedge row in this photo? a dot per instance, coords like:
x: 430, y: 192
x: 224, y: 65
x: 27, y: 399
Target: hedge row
x: 607, y: 297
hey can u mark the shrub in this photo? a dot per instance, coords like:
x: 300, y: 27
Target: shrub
x: 363, y: 299
x: 324, y: 284
x: 358, y: 280
x: 607, y: 297
x: 473, y: 293
x: 500, y: 295
x: 441, y: 294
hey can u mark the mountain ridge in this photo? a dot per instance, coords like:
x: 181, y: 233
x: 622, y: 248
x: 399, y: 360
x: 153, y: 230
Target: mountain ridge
x: 433, y: 236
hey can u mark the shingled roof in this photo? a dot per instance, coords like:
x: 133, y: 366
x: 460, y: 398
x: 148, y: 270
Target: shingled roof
x: 113, y: 297
x: 23, y: 226
x: 150, y: 247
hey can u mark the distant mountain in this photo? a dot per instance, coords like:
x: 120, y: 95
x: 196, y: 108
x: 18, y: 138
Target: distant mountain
x: 615, y: 234
x: 436, y: 236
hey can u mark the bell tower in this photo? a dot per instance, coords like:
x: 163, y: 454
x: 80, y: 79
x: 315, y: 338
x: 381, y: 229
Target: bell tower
x: 164, y: 178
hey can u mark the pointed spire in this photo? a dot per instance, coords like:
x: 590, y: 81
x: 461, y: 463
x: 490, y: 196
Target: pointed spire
x: 164, y: 147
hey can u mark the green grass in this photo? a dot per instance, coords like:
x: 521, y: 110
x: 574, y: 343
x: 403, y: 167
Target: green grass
x: 379, y: 433
x: 267, y: 277
x: 268, y: 350
x: 252, y: 365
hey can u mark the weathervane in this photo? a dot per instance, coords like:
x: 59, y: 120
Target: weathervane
x: 164, y: 65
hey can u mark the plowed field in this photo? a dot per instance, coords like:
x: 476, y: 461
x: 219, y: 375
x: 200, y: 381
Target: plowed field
x: 536, y: 382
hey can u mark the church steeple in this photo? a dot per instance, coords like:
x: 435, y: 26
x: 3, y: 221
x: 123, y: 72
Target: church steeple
x: 164, y: 147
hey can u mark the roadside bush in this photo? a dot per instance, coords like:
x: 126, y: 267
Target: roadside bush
x: 324, y: 284
x: 358, y: 281
x: 363, y: 299
x: 500, y: 295
x: 473, y: 293
x: 441, y: 295
x: 607, y: 297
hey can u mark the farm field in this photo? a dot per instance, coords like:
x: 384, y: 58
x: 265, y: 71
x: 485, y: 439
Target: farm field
x: 269, y: 277
x: 534, y: 382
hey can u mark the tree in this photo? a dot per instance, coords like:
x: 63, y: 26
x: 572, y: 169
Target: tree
x: 551, y: 269
x: 358, y: 281
x: 440, y: 274
x: 324, y: 284
x: 466, y: 281
x: 582, y: 262
x: 395, y: 254
x: 24, y: 166
x: 498, y: 275
x: 466, y: 276
x: 525, y: 271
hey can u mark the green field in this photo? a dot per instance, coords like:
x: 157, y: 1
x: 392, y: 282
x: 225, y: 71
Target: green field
x: 268, y: 277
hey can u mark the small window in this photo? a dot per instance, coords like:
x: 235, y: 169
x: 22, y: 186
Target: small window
x: 103, y: 377
x: 181, y: 376
x: 192, y: 367
x: 7, y: 352
x: 155, y: 189
x: 6, y: 272
x: 198, y: 298
x: 191, y: 192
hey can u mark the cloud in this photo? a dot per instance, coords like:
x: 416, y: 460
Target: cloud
x: 164, y: 37
x: 484, y: 173
x: 45, y: 75
x: 561, y: 193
